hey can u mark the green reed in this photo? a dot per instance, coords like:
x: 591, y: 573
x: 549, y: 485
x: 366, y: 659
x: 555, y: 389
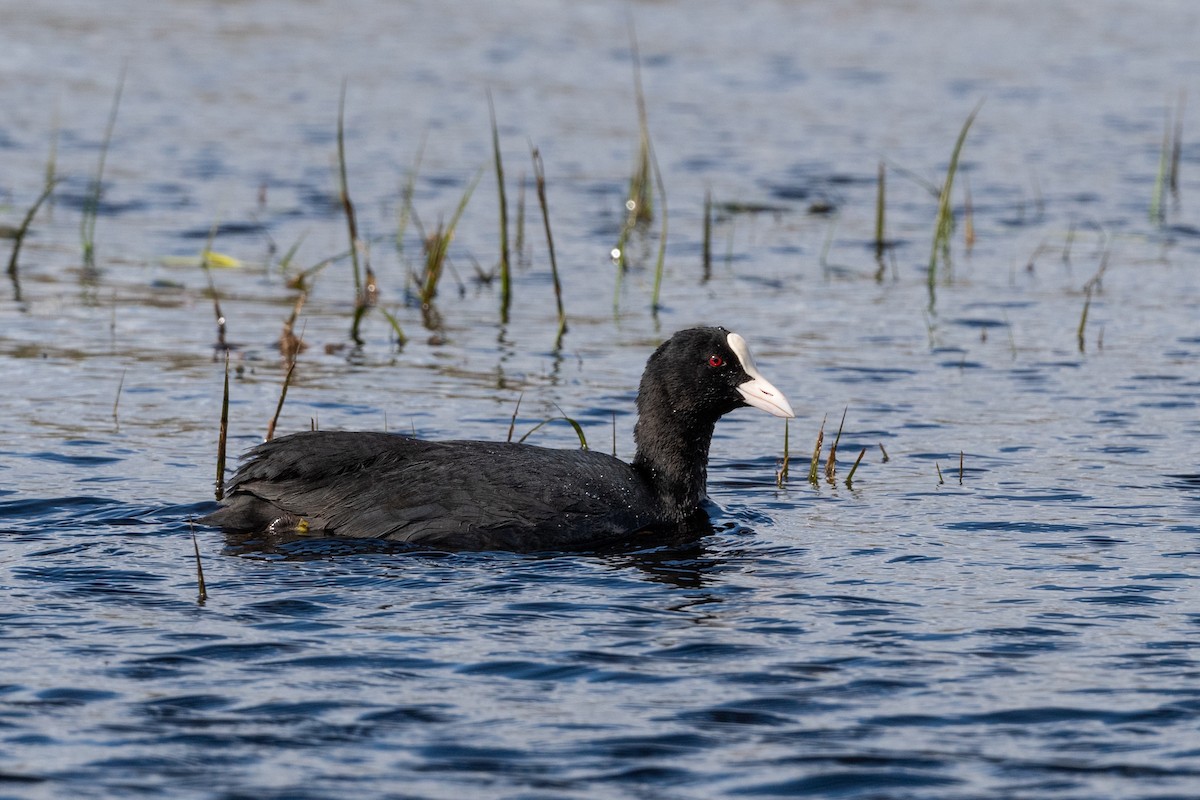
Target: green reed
x: 944, y: 222
x: 583, y: 445
x: 505, y: 273
x: 286, y: 261
x: 706, y: 258
x: 968, y: 216
x: 816, y: 456
x: 223, y: 432
x: 1158, y: 198
x: 91, y: 206
x: 23, y: 228
x: 437, y: 244
x: 854, y: 469
x: 519, y: 244
x: 1070, y: 241
x: 1093, y: 284
x: 512, y: 422
x: 52, y: 157
x: 283, y: 390
x: 212, y: 286
x: 1083, y: 318
x: 662, y: 236
x: 539, y: 176
x: 639, y: 202
x: 201, y: 590
x: 290, y: 345
x: 1177, y: 144
x: 880, y: 210
x: 1167, y: 177
x: 401, y: 339
x: 781, y: 475
x: 363, y: 294
x: 831, y: 460
x: 117, y: 400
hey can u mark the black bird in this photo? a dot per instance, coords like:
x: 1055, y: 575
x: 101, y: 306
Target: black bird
x: 477, y: 495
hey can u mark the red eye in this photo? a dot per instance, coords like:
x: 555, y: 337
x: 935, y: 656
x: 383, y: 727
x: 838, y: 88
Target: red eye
x: 716, y: 361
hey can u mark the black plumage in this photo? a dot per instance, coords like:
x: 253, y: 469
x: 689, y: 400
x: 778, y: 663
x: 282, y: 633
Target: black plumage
x: 486, y: 495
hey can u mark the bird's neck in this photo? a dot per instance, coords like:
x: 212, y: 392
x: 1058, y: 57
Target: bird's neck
x: 672, y: 456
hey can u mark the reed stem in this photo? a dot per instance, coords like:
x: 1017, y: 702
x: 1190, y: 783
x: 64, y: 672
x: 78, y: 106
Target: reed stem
x: 362, y: 296
x: 223, y: 433
x: 816, y: 456
x: 944, y: 224
x: 854, y: 469
x: 539, y: 176
x: 91, y: 207
x: 202, y: 591
x: 831, y: 461
x: 880, y: 241
x: 782, y: 475
x: 505, y: 276
x: 23, y: 229
x: 708, y: 225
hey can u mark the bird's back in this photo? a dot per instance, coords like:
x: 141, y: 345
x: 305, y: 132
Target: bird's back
x: 456, y: 494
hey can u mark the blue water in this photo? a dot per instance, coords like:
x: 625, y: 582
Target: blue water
x: 1002, y: 606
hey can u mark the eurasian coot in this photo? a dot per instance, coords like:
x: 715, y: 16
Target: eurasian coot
x: 502, y: 496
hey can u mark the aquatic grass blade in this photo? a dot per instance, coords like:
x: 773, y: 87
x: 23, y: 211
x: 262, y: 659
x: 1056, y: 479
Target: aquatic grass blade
x: 831, y: 461
x: 662, y: 236
x: 512, y: 423
x: 944, y: 222
x: 117, y: 400
x: 212, y: 286
x: 564, y: 418
x: 706, y: 258
x: 816, y: 456
x: 401, y: 339
x: 539, y: 175
x: 283, y: 390
x: 361, y: 301
x: 880, y: 210
x: 1177, y: 145
x: 223, y: 433
x: 91, y: 206
x: 437, y: 245
x: 26, y: 221
x: 505, y: 274
x: 1083, y: 318
x: 1157, y: 212
x: 781, y: 475
x: 286, y: 261
x: 854, y: 469
x: 639, y: 202
x: 201, y: 589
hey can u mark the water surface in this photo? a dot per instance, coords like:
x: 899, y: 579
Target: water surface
x: 1022, y: 628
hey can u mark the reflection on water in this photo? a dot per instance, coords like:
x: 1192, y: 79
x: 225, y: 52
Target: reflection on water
x: 1003, y: 603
